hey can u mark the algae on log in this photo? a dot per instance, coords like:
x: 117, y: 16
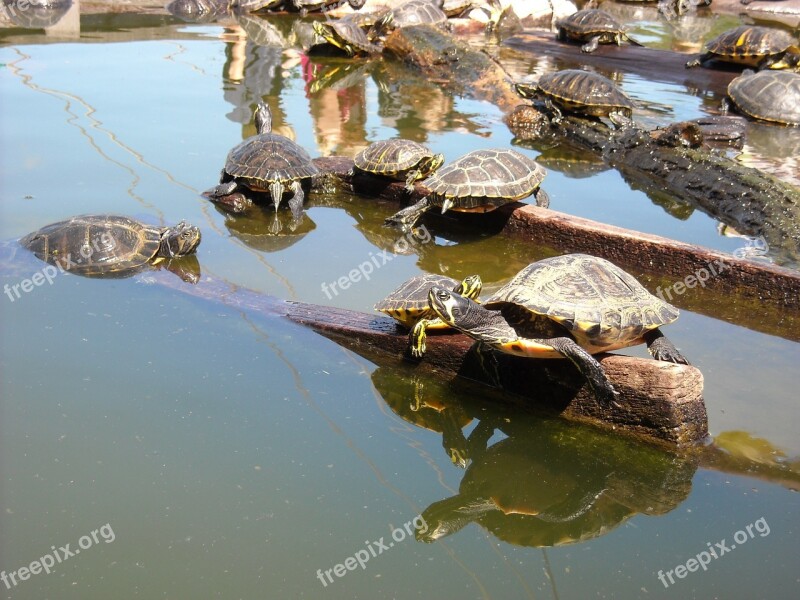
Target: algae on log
x: 751, y: 202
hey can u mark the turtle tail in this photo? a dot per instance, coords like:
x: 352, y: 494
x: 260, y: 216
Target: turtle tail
x: 276, y: 191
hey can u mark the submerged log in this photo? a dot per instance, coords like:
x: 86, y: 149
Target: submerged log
x: 752, y: 202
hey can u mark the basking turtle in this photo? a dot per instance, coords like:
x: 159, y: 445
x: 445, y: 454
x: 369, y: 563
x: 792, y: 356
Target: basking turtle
x: 759, y: 47
x: 36, y: 14
x: 346, y: 35
x: 479, y: 181
x: 413, y: 12
x: 112, y: 245
x: 569, y: 306
x: 593, y: 26
x: 307, y: 6
x: 409, y: 305
x: 254, y: 5
x: 403, y: 160
x: 198, y: 11
x: 266, y: 162
x: 582, y: 93
x: 768, y: 96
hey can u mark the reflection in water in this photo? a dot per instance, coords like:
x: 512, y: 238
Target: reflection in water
x: 198, y: 11
x: 265, y: 230
x: 773, y: 148
x: 36, y: 14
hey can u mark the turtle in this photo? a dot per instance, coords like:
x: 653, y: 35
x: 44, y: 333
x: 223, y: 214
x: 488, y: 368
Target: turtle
x: 307, y: 6
x: 759, y: 47
x: 580, y: 92
x: 254, y: 5
x: 593, y: 26
x: 409, y: 305
x: 346, y: 35
x: 198, y: 11
x: 569, y: 306
x: 768, y: 96
x: 36, y: 14
x: 266, y: 162
x: 479, y: 181
x: 112, y: 245
x: 413, y: 12
x: 403, y: 160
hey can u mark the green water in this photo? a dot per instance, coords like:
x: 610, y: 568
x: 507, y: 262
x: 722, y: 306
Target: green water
x: 239, y: 456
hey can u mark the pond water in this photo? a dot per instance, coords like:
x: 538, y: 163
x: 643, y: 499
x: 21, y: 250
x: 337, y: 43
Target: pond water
x: 217, y: 454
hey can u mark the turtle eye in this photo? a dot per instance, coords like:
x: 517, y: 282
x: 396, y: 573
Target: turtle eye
x: 443, y: 295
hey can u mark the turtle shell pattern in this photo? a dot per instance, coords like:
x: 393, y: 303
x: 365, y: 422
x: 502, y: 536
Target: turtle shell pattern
x: 95, y: 245
x: 418, y: 12
x: 391, y: 157
x: 583, y: 24
x: 409, y: 303
x: 749, y: 45
x: 582, y: 91
x: 768, y: 95
x: 600, y: 304
x: 485, y: 179
x: 268, y: 157
x: 350, y: 31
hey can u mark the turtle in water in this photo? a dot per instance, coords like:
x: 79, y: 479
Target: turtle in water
x: 758, y: 47
x: 569, y: 306
x: 403, y: 160
x: 580, y: 92
x: 113, y: 246
x: 409, y: 306
x: 265, y: 162
x: 480, y: 181
x: 772, y: 96
x: 593, y: 26
x: 347, y: 35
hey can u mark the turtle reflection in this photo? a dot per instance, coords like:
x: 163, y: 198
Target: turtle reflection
x: 267, y: 231
x: 549, y: 483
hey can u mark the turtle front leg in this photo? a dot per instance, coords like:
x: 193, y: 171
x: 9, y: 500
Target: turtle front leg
x: 662, y: 349
x: 697, y: 62
x: 412, y: 176
x: 587, y: 365
x: 296, y: 201
x: 591, y: 45
x: 276, y: 192
x: 406, y: 218
x: 418, y: 335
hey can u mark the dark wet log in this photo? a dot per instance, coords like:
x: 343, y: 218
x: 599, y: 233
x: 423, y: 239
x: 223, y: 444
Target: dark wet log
x: 759, y: 296
x: 661, y: 401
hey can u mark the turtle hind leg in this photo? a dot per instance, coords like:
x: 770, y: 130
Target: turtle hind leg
x: 276, y: 192
x: 406, y: 218
x: 661, y: 348
x: 296, y: 201
x: 588, y: 366
x: 591, y: 45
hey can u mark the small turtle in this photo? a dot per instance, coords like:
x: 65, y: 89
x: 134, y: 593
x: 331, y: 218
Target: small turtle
x: 759, y: 47
x: 307, y: 6
x: 254, y: 5
x: 112, y: 245
x: 480, y: 181
x: 569, y: 306
x: 768, y: 96
x: 403, y: 160
x: 346, y: 35
x: 580, y: 92
x: 413, y: 12
x: 594, y: 27
x: 409, y: 305
x: 266, y: 162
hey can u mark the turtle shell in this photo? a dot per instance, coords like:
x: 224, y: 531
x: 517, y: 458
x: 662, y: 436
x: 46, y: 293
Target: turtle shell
x: 749, y: 45
x: 351, y: 32
x: 768, y: 96
x: 409, y: 303
x: 482, y: 180
x: 601, y: 305
x: 268, y: 157
x: 584, y: 24
x: 392, y: 158
x: 254, y: 5
x: 96, y: 245
x: 585, y: 92
x: 418, y: 12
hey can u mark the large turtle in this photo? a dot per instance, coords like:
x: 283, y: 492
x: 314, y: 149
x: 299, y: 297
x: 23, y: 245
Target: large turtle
x: 479, y: 181
x: 409, y: 306
x: 266, y: 162
x: 593, y: 26
x: 36, y: 14
x: 759, y: 47
x: 403, y: 160
x: 569, y: 306
x: 768, y: 96
x: 113, y: 246
x: 582, y: 93
x: 411, y: 13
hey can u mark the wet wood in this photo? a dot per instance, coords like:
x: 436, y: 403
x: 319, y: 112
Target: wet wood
x: 759, y: 296
x: 661, y: 401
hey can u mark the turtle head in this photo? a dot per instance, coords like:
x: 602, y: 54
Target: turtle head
x: 263, y: 118
x: 470, y: 287
x: 430, y: 165
x: 526, y: 89
x: 451, y: 307
x: 180, y: 240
